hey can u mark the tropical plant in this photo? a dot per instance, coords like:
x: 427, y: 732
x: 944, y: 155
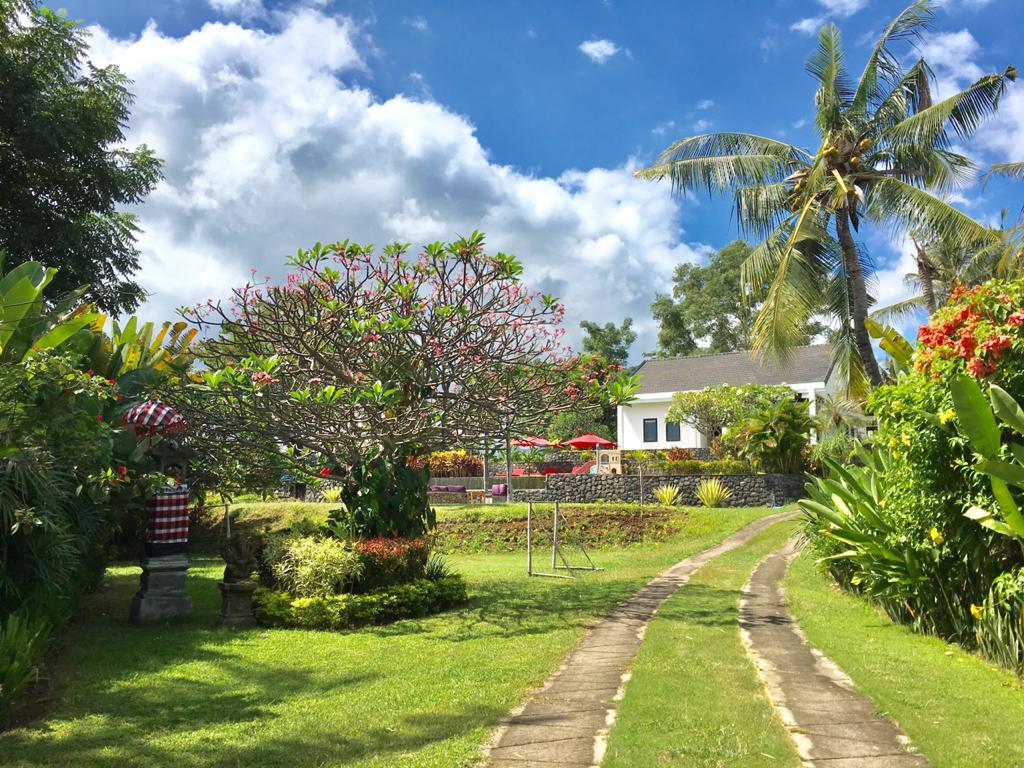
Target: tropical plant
x: 332, y: 495
x: 776, y: 439
x: 22, y: 643
x: 885, y: 156
x: 712, y: 492
x: 712, y: 409
x: 667, y: 495
x: 309, y: 567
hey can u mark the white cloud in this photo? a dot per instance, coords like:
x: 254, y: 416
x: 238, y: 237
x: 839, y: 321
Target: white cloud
x: 808, y: 26
x: 800, y: 123
x: 842, y: 8
x: 702, y: 125
x: 245, y: 9
x: 267, y: 149
x: 418, y: 23
x: 832, y: 9
x: 705, y: 104
x: 599, y: 50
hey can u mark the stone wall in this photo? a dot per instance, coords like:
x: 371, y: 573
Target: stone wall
x: 747, y: 490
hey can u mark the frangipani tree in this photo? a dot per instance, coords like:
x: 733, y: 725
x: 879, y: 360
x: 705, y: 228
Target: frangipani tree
x: 363, y: 359
x: 885, y: 156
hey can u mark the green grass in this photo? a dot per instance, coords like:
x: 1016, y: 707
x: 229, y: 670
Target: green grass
x: 957, y: 708
x: 416, y: 693
x: 695, y: 698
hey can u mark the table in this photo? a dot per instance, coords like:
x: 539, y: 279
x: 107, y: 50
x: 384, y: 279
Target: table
x: 474, y: 496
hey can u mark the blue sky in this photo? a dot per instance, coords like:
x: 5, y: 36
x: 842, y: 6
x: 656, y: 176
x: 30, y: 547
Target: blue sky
x: 283, y: 123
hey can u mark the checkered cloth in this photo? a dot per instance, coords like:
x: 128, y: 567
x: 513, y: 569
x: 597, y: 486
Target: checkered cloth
x: 168, y: 516
x: 154, y: 416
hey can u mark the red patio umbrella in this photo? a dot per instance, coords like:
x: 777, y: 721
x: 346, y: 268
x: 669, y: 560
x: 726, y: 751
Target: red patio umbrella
x: 588, y: 442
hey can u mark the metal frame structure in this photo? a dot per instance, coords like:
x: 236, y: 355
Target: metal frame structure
x: 556, y: 549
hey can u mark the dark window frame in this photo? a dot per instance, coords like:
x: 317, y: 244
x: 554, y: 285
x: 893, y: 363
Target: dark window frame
x: 645, y: 424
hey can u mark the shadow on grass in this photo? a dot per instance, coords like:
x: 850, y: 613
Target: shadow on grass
x: 196, y: 678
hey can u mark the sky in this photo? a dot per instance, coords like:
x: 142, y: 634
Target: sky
x: 284, y: 123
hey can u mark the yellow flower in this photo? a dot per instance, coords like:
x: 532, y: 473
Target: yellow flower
x: 977, y: 611
x: 947, y: 415
x: 895, y: 454
x: 936, y: 536
x: 892, y: 442
x: 906, y: 439
x: 883, y: 504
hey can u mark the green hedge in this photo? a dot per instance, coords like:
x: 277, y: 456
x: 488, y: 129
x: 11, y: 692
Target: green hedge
x: 714, y: 467
x: 415, y: 598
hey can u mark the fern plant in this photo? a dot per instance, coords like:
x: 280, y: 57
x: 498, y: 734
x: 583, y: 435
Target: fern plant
x: 711, y: 492
x: 667, y: 495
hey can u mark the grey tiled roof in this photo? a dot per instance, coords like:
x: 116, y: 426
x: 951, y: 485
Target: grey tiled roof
x: 681, y: 374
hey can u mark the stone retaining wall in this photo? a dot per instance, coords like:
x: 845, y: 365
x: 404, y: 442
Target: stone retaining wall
x: 747, y: 490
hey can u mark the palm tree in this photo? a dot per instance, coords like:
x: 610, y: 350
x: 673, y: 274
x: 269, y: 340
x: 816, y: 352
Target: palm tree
x: 942, y: 267
x: 884, y: 156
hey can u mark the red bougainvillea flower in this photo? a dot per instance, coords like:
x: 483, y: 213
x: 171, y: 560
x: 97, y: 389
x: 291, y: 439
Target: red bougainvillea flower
x: 979, y: 368
x: 122, y: 470
x: 99, y: 417
x: 966, y: 345
x: 1017, y: 318
x: 325, y: 472
x: 996, y: 343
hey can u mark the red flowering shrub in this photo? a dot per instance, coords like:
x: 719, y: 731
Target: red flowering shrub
x: 679, y: 454
x: 391, y: 561
x: 973, y: 333
x: 450, y: 464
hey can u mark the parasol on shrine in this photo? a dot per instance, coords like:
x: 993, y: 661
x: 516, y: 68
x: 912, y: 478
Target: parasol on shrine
x: 154, y: 417
x: 589, y: 442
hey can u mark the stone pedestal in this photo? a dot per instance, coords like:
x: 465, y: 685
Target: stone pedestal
x: 162, y: 596
x: 236, y: 604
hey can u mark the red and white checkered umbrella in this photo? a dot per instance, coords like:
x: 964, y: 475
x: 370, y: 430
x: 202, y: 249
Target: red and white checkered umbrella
x: 154, y: 417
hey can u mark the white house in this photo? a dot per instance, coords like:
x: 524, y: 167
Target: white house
x: 642, y: 423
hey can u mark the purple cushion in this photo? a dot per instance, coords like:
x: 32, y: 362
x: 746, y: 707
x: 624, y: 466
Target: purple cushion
x: 436, y: 488
x: 499, y: 489
x: 456, y: 489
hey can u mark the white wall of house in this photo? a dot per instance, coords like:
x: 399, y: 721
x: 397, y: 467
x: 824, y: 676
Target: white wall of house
x: 630, y: 419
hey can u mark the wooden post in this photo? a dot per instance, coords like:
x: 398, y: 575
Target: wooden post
x: 529, y: 537
x: 554, y: 538
x: 508, y: 467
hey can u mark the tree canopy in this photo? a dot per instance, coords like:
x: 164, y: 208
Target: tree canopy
x: 712, y: 409
x: 707, y: 311
x: 66, y: 172
x: 610, y: 341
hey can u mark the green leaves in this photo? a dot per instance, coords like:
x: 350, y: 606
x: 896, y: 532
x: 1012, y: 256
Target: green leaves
x: 975, y: 416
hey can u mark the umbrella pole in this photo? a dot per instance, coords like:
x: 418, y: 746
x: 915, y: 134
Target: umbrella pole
x: 508, y: 466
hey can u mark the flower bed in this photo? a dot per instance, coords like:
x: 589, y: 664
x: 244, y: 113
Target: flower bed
x: 347, y: 611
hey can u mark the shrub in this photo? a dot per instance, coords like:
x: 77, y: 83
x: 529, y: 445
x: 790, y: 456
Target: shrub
x: 711, y: 492
x: 713, y: 467
x: 22, y: 643
x: 437, y: 568
x: 332, y: 495
x: 776, y: 438
x: 308, y: 567
x: 679, y: 454
x: 905, y: 526
x: 390, y: 561
x: 667, y: 495
x: 334, y: 612
x: 451, y: 464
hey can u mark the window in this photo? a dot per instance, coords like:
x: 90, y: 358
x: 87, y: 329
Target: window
x: 672, y: 431
x: 650, y: 430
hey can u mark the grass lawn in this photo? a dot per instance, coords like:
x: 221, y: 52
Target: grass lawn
x: 694, y: 697
x: 957, y: 708
x: 416, y: 693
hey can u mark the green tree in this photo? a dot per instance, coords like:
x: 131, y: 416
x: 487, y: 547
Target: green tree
x: 707, y: 302
x: 712, y: 409
x: 569, y: 424
x: 885, y: 156
x: 65, y: 171
x: 610, y: 341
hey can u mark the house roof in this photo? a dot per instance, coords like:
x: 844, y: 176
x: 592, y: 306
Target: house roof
x: 683, y: 374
